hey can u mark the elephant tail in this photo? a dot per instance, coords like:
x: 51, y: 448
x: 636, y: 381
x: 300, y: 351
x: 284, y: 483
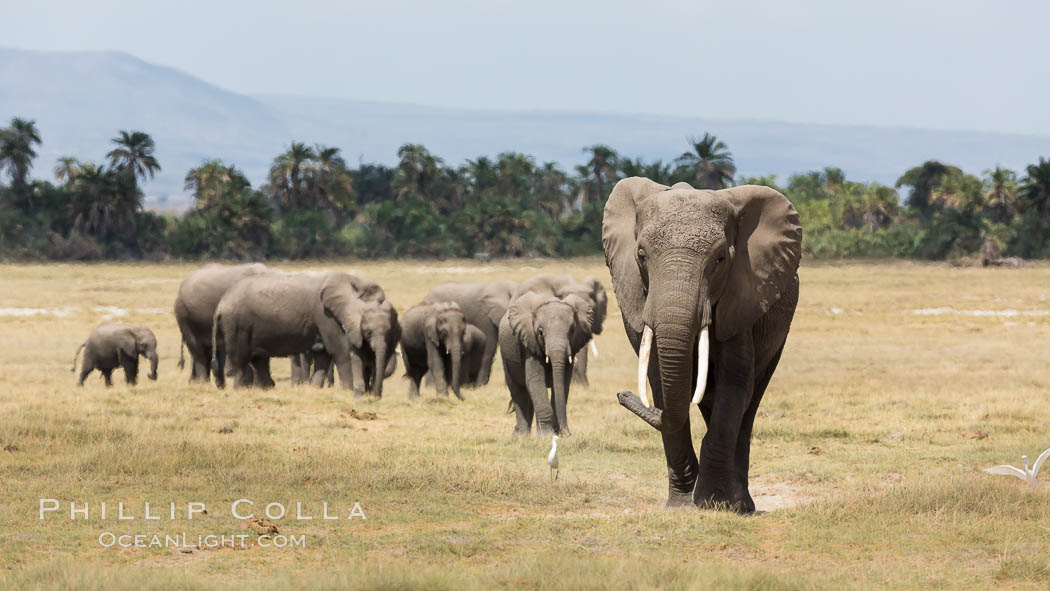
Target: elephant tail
x: 182, y: 354
x: 216, y: 334
x: 75, y: 355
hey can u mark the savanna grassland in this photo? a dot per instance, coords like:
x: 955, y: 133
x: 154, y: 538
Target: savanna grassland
x: 899, y: 382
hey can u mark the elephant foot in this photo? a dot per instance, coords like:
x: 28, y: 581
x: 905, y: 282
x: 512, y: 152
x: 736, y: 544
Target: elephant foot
x: 679, y: 500
x: 716, y: 494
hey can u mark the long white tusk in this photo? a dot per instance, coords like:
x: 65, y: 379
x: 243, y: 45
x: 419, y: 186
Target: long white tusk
x: 594, y: 349
x: 643, y: 363
x: 703, y: 352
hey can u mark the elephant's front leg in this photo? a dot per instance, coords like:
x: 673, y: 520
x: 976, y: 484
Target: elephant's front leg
x: 730, y: 399
x: 131, y: 369
x: 489, y: 354
x: 357, y: 373
x: 437, y: 368
x: 579, y: 370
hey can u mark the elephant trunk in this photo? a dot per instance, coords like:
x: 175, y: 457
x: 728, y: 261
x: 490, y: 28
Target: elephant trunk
x: 456, y: 353
x: 560, y: 372
x: 680, y: 310
x: 380, y: 370
x: 153, y: 361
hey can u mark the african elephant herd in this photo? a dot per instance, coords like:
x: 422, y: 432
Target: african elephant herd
x: 235, y: 318
x: 707, y: 286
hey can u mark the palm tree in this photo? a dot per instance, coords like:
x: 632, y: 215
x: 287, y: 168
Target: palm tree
x: 1001, y: 198
x: 601, y: 168
x: 552, y: 184
x: 332, y: 183
x: 925, y: 182
x: 418, y: 170
x: 710, y: 164
x: 286, y: 186
x: 213, y: 180
x: 66, y: 170
x: 134, y: 155
x: 1035, y: 187
x: 16, y: 149
x: 656, y: 170
x: 105, y: 202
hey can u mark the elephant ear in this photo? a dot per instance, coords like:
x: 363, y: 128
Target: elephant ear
x: 340, y: 300
x: 367, y: 289
x: 395, y: 327
x: 584, y: 315
x: 128, y: 343
x: 768, y: 247
x: 520, y: 315
x: 430, y: 324
x: 620, y: 242
x: 601, y: 302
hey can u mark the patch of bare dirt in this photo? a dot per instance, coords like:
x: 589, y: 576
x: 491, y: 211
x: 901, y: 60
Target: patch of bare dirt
x: 773, y: 496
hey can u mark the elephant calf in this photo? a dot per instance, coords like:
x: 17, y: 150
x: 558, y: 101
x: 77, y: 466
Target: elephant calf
x: 116, y: 344
x: 539, y: 338
x: 437, y: 338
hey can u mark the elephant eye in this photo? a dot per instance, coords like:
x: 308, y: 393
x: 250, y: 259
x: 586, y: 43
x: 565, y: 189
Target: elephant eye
x: 721, y: 259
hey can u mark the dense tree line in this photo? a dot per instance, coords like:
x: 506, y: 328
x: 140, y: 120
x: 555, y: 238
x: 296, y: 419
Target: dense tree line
x: 314, y: 204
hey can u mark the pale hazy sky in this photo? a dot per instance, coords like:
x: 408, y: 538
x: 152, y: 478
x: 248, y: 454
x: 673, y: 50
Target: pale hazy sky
x: 958, y: 64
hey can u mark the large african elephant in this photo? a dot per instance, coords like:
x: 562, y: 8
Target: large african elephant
x: 199, y: 295
x: 561, y: 286
x: 284, y: 314
x: 437, y: 338
x: 115, y: 344
x: 483, y: 305
x: 686, y: 264
x: 539, y: 336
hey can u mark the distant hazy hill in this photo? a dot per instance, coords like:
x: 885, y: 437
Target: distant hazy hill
x: 80, y: 100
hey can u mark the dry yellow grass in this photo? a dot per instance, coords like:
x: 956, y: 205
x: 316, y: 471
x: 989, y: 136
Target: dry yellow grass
x: 866, y: 455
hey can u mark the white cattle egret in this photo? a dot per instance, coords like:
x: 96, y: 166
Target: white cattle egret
x: 552, y: 458
x: 1028, y: 475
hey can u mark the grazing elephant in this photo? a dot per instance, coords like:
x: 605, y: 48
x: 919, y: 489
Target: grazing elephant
x: 199, y: 295
x: 539, y: 336
x: 437, y: 338
x: 283, y: 314
x: 561, y: 286
x: 688, y: 264
x: 483, y: 305
x: 115, y: 344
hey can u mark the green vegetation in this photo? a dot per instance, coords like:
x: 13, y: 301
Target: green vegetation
x: 315, y: 205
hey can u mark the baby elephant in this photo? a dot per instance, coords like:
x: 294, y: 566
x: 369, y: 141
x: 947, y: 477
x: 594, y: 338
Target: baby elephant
x: 116, y: 344
x: 437, y: 338
x: 539, y: 338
